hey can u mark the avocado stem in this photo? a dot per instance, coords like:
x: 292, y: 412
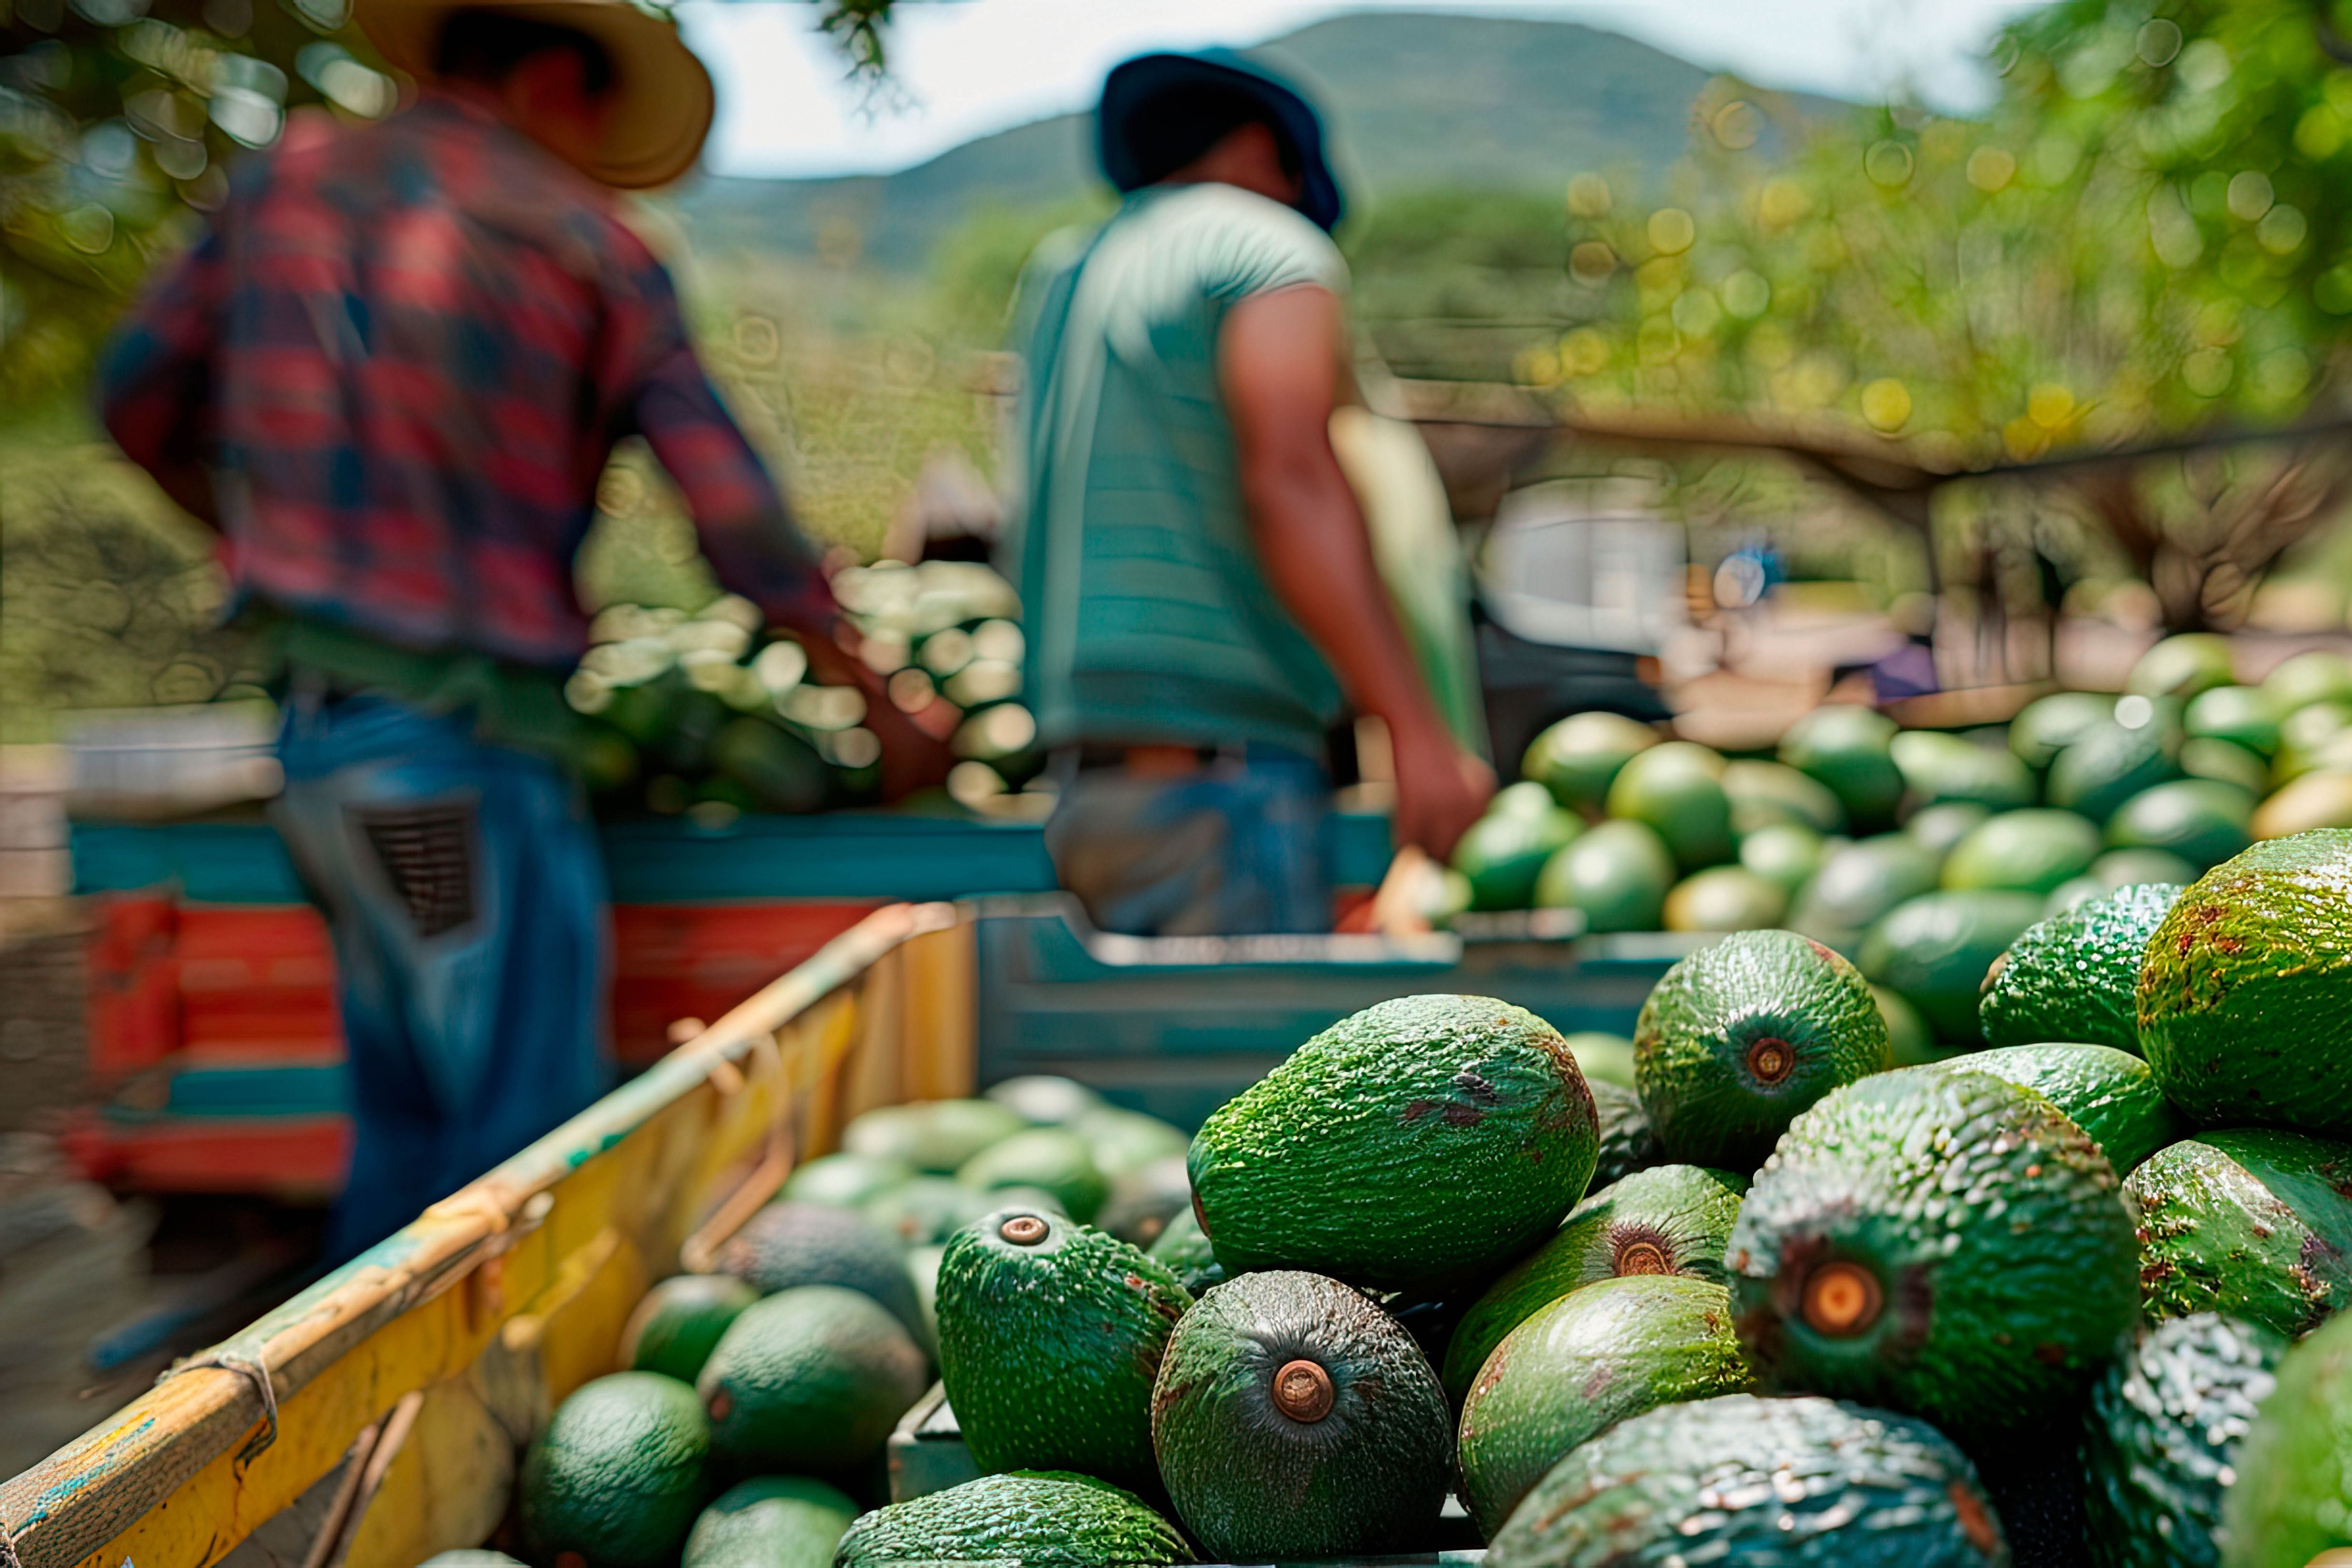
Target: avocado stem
x: 1842, y: 1299
x: 1643, y: 1258
x: 1302, y: 1390
x: 1771, y: 1058
x: 1023, y: 1230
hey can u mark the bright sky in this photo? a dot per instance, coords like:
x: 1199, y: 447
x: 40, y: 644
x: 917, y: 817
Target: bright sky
x: 965, y: 70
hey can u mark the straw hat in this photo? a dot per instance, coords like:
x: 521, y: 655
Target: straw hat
x: 663, y: 101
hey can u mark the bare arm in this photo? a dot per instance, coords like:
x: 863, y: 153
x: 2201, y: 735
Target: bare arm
x: 1281, y: 367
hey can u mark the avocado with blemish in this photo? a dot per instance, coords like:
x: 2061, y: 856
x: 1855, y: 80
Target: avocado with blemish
x: 1739, y: 1038
x: 2109, y: 1094
x: 1030, y: 1519
x: 2253, y: 1222
x: 1670, y: 1219
x: 1293, y: 1418
x: 1938, y: 1242
x: 1050, y: 1334
x: 2076, y: 976
x: 1628, y: 1142
x: 1422, y: 1142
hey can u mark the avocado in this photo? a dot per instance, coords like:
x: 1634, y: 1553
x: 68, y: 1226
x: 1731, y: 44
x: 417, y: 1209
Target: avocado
x: 1785, y: 854
x: 1422, y: 1142
x: 789, y: 1244
x: 1859, y: 882
x: 2287, y: 1506
x: 1936, y: 950
x: 1738, y: 1479
x: 2225, y: 761
x: 1143, y: 1201
x: 1122, y: 1140
x: 1675, y: 788
x: 932, y: 1135
x: 2108, y: 1093
x: 1043, y: 1099
x: 675, y: 1326
x: 1617, y: 875
x: 1581, y: 1363
x: 1764, y: 795
x: 1577, y: 758
x: 2309, y: 740
x: 2074, y: 976
x: 2317, y: 676
x: 2241, y: 715
x: 812, y: 1378
x: 1724, y: 899
x: 1030, y: 1519
x: 2115, y: 760
x: 1739, y: 1038
x: 2314, y: 800
x: 2028, y: 851
x: 1939, y: 828
x: 843, y: 1181
x: 1050, y: 1333
x: 1668, y: 1219
x: 927, y: 1210
x: 1629, y: 1141
x: 1940, y: 767
x: 1603, y: 1058
x: 2201, y: 820
x: 618, y: 1472
x: 2161, y: 1439
x: 1502, y: 853
x: 1844, y: 747
x: 2181, y: 667
x: 1055, y: 1159
x: 770, y: 1521
x: 1910, y: 1041
x: 2120, y: 869
x: 923, y: 1269
x: 1186, y: 1254
x: 2252, y: 1222
x: 2242, y: 994
x: 1293, y: 1418
x: 1938, y: 1242
x: 2048, y: 725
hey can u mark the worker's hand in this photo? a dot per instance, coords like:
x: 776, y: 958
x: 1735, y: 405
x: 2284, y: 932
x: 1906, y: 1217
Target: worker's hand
x: 1441, y: 789
x: 914, y: 746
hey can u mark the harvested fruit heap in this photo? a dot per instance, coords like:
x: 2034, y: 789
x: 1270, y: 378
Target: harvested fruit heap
x: 2032, y: 1304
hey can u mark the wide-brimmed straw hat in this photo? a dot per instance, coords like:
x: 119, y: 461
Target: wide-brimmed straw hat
x: 663, y: 101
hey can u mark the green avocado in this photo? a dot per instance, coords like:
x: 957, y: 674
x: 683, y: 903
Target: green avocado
x: 617, y: 1474
x: 1294, y: 1419
x: 932, y: 1135
x: 2161, y: 1439
x: 2201, y: 820
x: 1859, y: 882
x: 2115, y: 760
x: 1937, y: 1242
x: 2242, y: 997
x: 2133, y: 867
x: 927, y: 1210
x: 2241, y: 715
x: 1739, y: 1038
x: 2287, y: 1506
x: 1617, y: 874
x: 770, y: 1521
x: 1628, y: 1142
x: 1143, y: 1201
x: 1940, y: 767
x: 1187, y: 1253
x: 1123, y: 1140
x: 1424, y: 1141
x: 1055, y: 1159
x: 676, y: 1325
x: 2181, y: 667
x: 1581, y: 1363
x: 2109, y: 1094
x: 843, y: 1181
x: 1785, y: 854
x: 1675, y: 788
x: 1050, y: 1334
x: 1844, y: 747
x: 2309, y: 740
x: 1044, y: 1099
x: 1938, y: 948
x: 2225, y: 761
x: 2073, y: 976
x: 2252, y: 1222
x: 812, y: 1378
x: 1938, y: 828
x: 1738, y: 1479
x: 1765, y: 794
x: 790, y: 1244
x: 2048, y: 725
x: 1577, y: 758
x: 1668, y: 1219
x: 2026, y: 851
x: 1504, y: 851
x: 2308, y: 678
x: 1723, y: 897
x: 1027, y: 1519
x: 1910, y: 1041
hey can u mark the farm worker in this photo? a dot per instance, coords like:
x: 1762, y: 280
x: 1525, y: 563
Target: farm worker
x: 1202, y: 594
x: 390, y: 375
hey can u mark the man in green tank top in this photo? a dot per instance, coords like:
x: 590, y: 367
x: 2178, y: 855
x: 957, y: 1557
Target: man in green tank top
x: 1200, y: 590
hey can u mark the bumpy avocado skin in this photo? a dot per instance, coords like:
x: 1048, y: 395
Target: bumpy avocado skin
x: 1422, y: 1142
x: 1045, y: 1519
x: 2108, y: 1093
x: 1254, y: 1484
x: 1670, y: 1219
x: 1739, y: 1038
x: 2249, y: 1221
x: 2287, y: 1504
x: 1048, y: 1351
x: 2160, y: 1441
x: 1597, y: 1355
x: 2075, y: 976
x: 1629, y: 1139
x: 1989, y: 1226
x: 2245, y: 986
x: 1738, y: 1479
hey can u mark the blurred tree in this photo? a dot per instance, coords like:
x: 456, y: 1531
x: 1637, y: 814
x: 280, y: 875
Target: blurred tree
x: 2148, y: 240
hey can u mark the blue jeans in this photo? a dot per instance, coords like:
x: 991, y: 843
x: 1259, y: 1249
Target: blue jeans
x: 1237, y: 848
x: 465, y: 893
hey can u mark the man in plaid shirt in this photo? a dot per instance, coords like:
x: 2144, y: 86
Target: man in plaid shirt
x: 390, y: 375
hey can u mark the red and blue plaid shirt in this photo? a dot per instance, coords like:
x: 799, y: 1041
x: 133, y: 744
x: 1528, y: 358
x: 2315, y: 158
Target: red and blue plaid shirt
x: 404, y: 353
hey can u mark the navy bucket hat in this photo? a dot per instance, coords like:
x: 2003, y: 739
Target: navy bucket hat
x: 1137, y: 86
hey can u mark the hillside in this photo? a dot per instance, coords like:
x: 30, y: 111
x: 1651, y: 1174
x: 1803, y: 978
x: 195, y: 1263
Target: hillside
x: 1415, y: 101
